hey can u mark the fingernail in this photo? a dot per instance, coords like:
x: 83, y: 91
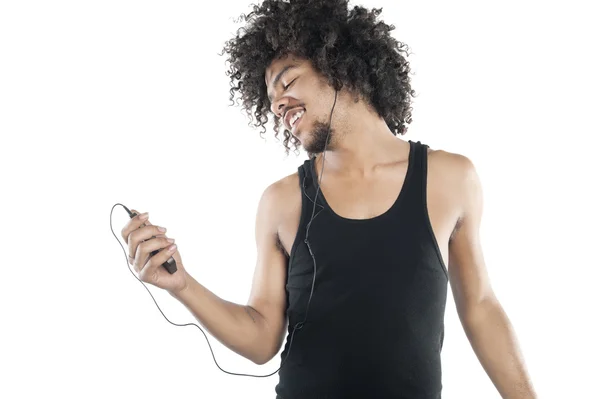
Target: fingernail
x: 162, y: 229
x: 144, y: 216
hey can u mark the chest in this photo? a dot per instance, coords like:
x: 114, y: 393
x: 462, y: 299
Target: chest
x: 370, y: 198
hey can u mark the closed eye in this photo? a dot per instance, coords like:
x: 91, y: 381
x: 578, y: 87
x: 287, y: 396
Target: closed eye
x: 286, y: 87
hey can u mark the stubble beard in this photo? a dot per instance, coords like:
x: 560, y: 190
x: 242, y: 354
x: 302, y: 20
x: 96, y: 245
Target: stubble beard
x: 317, y: 140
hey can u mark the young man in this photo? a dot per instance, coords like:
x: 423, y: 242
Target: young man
x: 363, y: 293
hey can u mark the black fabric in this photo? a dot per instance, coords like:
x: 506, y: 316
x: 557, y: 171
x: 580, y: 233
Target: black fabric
x: 375, y: 325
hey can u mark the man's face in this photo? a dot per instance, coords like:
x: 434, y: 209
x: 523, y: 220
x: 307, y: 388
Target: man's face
x: 294, y: 85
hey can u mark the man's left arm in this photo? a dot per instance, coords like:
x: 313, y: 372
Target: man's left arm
x: 484, y: 321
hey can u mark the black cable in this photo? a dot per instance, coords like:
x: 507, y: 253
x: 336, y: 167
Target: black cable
x: 298, y: 325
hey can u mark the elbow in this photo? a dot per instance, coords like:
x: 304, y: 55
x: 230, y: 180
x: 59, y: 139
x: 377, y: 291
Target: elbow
x: 259, y: 361
x: 262, y: 359
x: 264, y: 354
x: 266, y: 345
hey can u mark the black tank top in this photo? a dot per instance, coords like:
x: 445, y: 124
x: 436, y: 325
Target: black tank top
x: 375, y: 324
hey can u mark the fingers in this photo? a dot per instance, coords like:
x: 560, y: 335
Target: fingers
x: 139, y: 236
x: 133, y: 224
x: 147, y: 266
x: 145, y: 248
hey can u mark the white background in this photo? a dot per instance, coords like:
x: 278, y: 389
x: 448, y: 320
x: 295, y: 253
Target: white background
x: 128, y: 102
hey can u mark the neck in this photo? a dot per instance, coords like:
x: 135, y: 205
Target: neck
x: 363, y: 142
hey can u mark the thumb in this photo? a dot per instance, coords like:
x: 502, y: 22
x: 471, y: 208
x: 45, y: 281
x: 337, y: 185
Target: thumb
x: 146, y: 222
x: 135, y: 212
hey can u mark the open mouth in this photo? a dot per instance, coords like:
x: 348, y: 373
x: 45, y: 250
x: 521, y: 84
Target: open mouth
x: 296, y: 123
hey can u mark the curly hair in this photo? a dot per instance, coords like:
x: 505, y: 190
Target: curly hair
x: 349, y: 48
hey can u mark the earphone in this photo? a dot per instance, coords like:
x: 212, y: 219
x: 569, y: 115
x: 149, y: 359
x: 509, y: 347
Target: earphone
x: 171, y: 266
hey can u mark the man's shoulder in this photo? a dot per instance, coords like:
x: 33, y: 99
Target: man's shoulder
x: 452, y: 167
x: 282, y: 193
x: 284, y: 185
x: 454, y: 177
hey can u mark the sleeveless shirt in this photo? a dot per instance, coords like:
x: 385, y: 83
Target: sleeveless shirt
x: 375, y: 324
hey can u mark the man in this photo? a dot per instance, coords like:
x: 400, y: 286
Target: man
x: 353, y: 247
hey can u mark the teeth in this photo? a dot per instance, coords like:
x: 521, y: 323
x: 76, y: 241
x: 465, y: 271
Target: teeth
x: 295, y: 117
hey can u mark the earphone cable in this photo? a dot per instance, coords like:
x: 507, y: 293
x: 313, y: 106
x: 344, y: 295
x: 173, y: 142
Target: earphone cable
x: 298, y: 325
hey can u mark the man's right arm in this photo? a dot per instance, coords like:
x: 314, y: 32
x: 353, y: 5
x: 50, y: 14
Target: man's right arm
x: 256, y: 330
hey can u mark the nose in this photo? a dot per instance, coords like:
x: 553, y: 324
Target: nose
x: 278, y: 107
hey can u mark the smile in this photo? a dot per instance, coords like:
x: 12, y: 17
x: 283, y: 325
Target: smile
x: 296, y: 123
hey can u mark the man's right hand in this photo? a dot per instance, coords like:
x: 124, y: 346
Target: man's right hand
x: 143, y: 238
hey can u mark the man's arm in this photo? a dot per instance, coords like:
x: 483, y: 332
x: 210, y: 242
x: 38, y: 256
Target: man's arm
x: 256, y: 330
x: 484, y: 321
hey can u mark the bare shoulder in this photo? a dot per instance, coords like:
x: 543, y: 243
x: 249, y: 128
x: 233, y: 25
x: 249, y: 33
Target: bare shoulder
x: 450, y: 165
x: 456, y: 175
x: 280, y: 194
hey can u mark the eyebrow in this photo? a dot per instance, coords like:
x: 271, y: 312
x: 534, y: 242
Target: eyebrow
x: 279, y: 75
